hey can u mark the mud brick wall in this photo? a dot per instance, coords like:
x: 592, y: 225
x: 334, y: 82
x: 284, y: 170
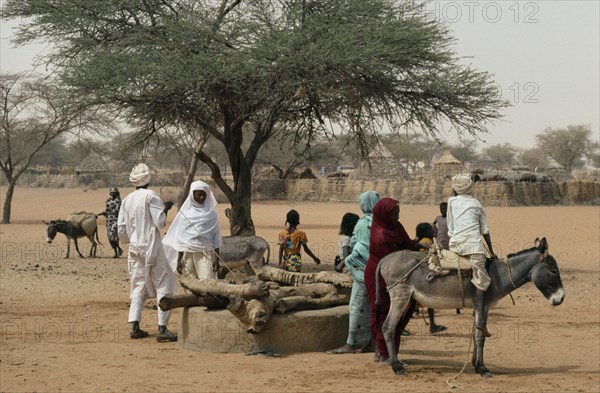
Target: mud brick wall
x: 431, y: 191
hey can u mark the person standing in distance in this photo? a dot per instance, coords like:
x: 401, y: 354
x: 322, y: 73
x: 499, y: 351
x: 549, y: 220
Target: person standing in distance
x: 440, y: 226
x: 141, y: 217
x: 111, y: 212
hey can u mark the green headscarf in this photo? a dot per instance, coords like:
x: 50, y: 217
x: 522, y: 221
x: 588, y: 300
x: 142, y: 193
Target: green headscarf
x: 367, y: 201
x: 357, y: 260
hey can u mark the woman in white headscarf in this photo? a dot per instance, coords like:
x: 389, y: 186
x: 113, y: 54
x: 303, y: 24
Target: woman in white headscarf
x: 194, y: 238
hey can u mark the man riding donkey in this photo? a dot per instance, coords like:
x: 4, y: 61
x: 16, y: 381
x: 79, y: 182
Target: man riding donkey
x: 467, y: 223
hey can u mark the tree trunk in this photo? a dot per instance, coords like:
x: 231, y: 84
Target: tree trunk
x: 6, y: 208
x: 170, y: 302
x: 240, y: 217
x: 240, y: 220
x: 309, y: 290
x: 268, y: 273
x: 216, y: 301
x: 251, y: 290
x: 189, y: 179
x: 292, y: 303
x: 240, y: 197
x: 253, y: 303
x: 254, y: 313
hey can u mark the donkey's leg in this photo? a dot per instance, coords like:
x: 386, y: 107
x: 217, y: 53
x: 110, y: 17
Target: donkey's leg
x: 93, y: 247
x: 68, y: 247
x: 407, y: 316
x: 479, y: 343
x: 399, y: 302
x: 77, y: 247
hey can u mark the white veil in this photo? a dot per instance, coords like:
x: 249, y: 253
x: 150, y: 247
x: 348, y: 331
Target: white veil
x: 195, y: 227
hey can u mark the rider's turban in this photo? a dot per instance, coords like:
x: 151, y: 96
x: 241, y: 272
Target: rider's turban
x: 462, y: 183
x: 140, y: 175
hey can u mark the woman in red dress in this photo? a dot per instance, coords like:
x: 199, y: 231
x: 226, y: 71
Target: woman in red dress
x: 387, y: 235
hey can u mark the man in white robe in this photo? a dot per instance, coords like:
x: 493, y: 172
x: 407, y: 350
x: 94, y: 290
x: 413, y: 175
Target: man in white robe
x: 467, y: 224
x: 141, y: 217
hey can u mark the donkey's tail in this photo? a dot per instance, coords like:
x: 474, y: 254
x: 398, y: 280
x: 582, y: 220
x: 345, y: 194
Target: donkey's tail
x: 97, y: 238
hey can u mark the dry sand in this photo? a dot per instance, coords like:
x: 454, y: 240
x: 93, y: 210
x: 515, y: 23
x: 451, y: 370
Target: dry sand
x: 63, y: 321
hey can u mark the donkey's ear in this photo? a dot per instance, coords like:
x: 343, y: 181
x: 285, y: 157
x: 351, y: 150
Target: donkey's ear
x: 536, y: 242
x: 47, y: 223
x: 542, y: 246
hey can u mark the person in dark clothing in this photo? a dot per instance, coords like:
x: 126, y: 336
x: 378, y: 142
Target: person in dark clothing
x: 387, y: 235
x: 111, y: 212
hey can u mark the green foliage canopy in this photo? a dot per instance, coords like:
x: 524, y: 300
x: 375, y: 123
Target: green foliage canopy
x: 306, y: 69
x: 356, y: 62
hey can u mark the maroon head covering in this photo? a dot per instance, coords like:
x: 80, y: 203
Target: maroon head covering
x: 387, y: 233
x: 387, y: 236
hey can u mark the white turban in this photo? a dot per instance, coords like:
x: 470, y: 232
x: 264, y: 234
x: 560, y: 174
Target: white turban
x: 140, y: 175
x: 462, y: 183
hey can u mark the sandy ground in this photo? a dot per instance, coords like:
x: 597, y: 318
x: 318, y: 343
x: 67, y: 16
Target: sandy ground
x: 63, y: 321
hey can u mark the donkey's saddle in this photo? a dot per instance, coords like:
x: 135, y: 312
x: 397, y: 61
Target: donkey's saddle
x: 77, y: 218
x: 442, y: 262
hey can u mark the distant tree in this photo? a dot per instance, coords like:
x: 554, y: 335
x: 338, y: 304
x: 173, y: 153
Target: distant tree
x: 568, y: 146
x: 285, y: 156
x: 533, y: 157
x: 34, y: 112
x: 465, y: 150
x: 337, y: 153
x: 501, y: 154
x: 413, y: 148
x: 54, y: 153
x: 310, y: 69
x: 595, y: 159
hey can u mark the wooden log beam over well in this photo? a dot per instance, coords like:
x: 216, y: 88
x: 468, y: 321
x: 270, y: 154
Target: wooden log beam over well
x: 251, y: 290
x: 268, y: 273
x: 170, y: 302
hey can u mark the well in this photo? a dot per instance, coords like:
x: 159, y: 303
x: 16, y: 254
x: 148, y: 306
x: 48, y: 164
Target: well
x: 218, y: 331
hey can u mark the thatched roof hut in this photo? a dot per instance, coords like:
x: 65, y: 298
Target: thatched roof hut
x: 380, y: 152
x: 447, y: 165
x: 555, y: 170
x: 93, y: 163
x: 552, y: 164
x: 446, y: 160
x: 381, y: 163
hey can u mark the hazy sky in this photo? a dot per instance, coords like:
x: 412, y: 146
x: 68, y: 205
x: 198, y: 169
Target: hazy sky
x: 544, y: 56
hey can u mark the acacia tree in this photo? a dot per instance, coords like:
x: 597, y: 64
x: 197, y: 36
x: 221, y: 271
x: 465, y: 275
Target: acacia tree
x: 503, y: 154
x: 34, y: 112
x: 465, y: 150
x: 568, y: 145
x: 285, y: 156
x: 414, y: 148
x: 533, y: 157
x: 305, y: 68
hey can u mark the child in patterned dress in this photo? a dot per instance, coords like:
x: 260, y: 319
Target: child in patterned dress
x: 291, y: 240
